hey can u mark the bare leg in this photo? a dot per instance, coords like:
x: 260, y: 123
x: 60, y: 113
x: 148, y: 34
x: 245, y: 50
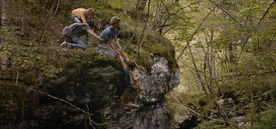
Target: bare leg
x: 132, y: 105
x: 122, y: 107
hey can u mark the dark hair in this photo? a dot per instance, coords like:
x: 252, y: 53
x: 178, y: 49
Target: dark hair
x: 92, y: 24
x: 131, y: 64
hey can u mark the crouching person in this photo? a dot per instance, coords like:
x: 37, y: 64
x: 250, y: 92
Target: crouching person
x: 75, y: 31
x: 132, y: 85
x: 110, y: 34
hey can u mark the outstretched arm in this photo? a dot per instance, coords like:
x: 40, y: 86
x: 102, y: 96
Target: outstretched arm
x: 92, y: 33
x: 120, y: 48
x: 112, y: 46
x: 122, y: 61
x: 117, y: 42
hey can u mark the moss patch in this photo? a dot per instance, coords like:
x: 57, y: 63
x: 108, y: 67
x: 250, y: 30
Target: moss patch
x: 157, y: 44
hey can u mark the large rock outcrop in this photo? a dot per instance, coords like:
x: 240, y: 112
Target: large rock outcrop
x: 155, y: 113
x: 97, y: 90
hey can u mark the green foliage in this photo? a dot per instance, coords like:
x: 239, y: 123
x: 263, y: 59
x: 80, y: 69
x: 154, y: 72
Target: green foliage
x: 23, y: 57
x: 244, y: 61
x: 116, y: 4
x: 212, y: 125
x: 180, y: 102
x: 266, y: 120
x: 12, y: 102
x: 160, y: 46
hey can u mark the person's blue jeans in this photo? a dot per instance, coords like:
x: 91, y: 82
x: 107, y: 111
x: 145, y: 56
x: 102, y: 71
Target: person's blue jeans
x: 75, y: 19
x: 75, y: 42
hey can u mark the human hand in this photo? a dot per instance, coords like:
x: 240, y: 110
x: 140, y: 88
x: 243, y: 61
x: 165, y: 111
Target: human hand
x: 118, y: 53
x: 119, y: 49
x: 103, y: 40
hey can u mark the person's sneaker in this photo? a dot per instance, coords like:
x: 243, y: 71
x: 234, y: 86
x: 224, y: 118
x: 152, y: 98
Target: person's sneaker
x: 63, y: 44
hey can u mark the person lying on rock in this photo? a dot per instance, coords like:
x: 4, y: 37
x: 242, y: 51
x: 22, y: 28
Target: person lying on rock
x: 132, y: 85
x: 110, y: 34
x: 73, y: 33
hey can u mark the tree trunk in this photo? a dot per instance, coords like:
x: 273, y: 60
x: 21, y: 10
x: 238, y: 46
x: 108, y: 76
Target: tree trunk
x: 23, y: 18
x: 208, y: 94
x: 4, y: 23
x: 140, y: 6
x: 4, y: 17
x: 231, y: 53
x: 142, y: 36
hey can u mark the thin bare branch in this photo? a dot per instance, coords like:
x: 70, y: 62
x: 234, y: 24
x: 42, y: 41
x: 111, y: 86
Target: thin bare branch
x: 46, y: 24
x: 70, y: 104
x: 208, y: 94
x: 172, y: 14
x: 141, y: 39
x: 247, y: 17
x: 57, y: 7
x: 245, y: 41
x: 267, y: 11
x: 225, y: 12
x: 188, y: 107
x: 188, y: 42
